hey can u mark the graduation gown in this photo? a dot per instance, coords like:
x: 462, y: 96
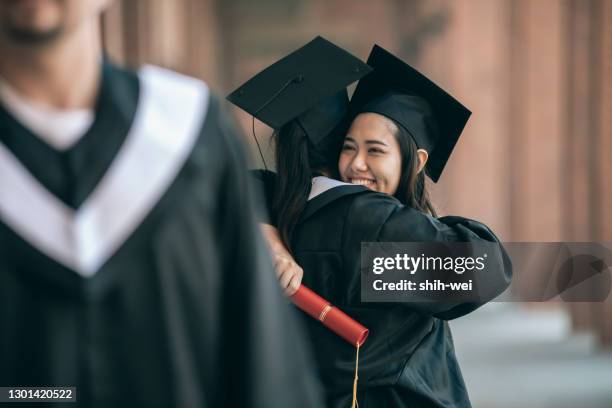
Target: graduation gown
x: 131, y: 266
x: 408, y: 359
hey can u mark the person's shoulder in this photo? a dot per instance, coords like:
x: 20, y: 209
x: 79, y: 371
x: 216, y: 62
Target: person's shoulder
x: 367, y: 212
x: 178, y: 95
x: 171, y: 102
x: 264, y: 181
x: 176, y: 104
x: 264, y: 176
x: 330, y: 196
x: 216, y: 129
x: 172, y: 80
x: 181, y: 94
x: 369, y: 200
x: 355, y: 203
x: 159, y: 81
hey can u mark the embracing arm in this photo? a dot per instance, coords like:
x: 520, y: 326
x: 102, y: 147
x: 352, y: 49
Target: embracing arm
x: 379, y: 218
x: 288, y: 272
x: 409, y: 225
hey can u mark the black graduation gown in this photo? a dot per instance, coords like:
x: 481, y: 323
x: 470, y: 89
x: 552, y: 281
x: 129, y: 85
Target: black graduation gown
x: 408, y: 359
x: 180, y: 309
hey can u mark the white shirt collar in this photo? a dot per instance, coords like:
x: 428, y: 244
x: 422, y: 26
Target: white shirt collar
x: 60, y: 129
x: 321, y: 184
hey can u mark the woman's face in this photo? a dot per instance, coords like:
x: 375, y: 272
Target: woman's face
x: 371, y: 155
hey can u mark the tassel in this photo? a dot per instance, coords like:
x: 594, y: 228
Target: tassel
x: 355, y: 404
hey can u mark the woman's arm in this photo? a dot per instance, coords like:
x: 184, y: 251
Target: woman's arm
x: 288, y: 272
x: 409, y: 225
x: 376, y: 218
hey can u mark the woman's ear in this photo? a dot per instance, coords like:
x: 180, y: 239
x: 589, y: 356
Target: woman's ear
x: 422, y: 156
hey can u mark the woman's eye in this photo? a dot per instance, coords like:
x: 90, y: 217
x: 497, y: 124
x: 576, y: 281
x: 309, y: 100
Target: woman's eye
x: 375, y: 151
x: 347, y: 147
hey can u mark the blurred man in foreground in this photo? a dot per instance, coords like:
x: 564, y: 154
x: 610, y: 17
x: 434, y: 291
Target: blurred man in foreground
x: 130, y: 265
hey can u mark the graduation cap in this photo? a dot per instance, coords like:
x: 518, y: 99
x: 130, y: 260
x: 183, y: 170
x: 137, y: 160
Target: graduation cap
x: 308, y: 85
x: 433, y: 118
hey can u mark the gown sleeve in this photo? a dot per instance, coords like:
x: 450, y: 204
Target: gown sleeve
x: 409, y: 225
x: 265, y: 361
x: 379, y: 218
x: 263, y: 181
x: 491, y: 285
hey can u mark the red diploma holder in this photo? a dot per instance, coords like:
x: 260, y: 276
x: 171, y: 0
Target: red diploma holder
x: 331, y: 317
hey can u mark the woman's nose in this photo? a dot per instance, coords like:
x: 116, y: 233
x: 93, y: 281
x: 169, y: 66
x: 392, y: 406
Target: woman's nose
x: 359, y: 163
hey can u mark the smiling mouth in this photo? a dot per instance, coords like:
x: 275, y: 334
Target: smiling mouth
x: 362, y: 181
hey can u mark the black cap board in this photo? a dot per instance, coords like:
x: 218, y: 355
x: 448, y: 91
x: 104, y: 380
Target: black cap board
x: 308, y: 85
x: 433, y: 118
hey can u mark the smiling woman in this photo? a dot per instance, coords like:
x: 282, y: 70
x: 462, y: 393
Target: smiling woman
x: 404, y: 126
x: 371, y: 155
x: 381, y: 155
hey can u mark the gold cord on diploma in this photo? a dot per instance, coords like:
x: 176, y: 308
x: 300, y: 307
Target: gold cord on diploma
x: 355, y: 404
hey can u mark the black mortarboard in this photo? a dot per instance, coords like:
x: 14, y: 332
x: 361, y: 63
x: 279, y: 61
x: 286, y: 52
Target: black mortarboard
x: 308, y: 85
x: 433, y: 118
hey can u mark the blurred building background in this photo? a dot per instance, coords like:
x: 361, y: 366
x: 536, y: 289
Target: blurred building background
x: 533, y: 162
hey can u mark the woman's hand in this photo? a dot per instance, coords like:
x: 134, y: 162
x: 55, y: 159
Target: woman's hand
x: 288, y: 272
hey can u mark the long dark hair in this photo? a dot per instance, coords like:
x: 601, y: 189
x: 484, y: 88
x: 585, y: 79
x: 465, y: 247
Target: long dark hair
x: 411, y: 189
x: 293, y: 180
